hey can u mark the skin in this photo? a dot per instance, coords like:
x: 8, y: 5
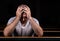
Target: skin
x: 26, y: 16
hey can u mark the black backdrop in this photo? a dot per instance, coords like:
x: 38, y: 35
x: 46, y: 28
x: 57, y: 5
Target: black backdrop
x: 47, y: 12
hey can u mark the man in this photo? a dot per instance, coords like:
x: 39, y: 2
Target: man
x: 23, y: 24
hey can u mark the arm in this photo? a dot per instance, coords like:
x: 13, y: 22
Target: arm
x: 10, y: 27
x: 37, y: 28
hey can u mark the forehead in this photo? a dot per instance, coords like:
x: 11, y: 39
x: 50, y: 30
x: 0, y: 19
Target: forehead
x: 23, y: 6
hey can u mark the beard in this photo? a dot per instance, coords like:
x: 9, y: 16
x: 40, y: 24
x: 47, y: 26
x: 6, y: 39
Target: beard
x: 23, y: 19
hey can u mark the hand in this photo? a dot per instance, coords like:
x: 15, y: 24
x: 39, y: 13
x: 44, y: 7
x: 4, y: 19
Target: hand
x: 27, y: 11
x: 19, y: 11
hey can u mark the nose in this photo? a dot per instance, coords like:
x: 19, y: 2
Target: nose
x: 24, y: 15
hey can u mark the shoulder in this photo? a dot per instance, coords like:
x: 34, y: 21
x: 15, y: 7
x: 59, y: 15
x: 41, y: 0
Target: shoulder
x: 36, y: 20
x: 11, y: 20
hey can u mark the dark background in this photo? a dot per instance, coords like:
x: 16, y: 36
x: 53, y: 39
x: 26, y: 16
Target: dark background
x: 47, y: 12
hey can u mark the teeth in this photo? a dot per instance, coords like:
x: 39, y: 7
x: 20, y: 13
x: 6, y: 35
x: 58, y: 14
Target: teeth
x: 23, y: 19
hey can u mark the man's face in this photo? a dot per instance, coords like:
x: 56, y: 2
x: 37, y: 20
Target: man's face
x: 24, y: 14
